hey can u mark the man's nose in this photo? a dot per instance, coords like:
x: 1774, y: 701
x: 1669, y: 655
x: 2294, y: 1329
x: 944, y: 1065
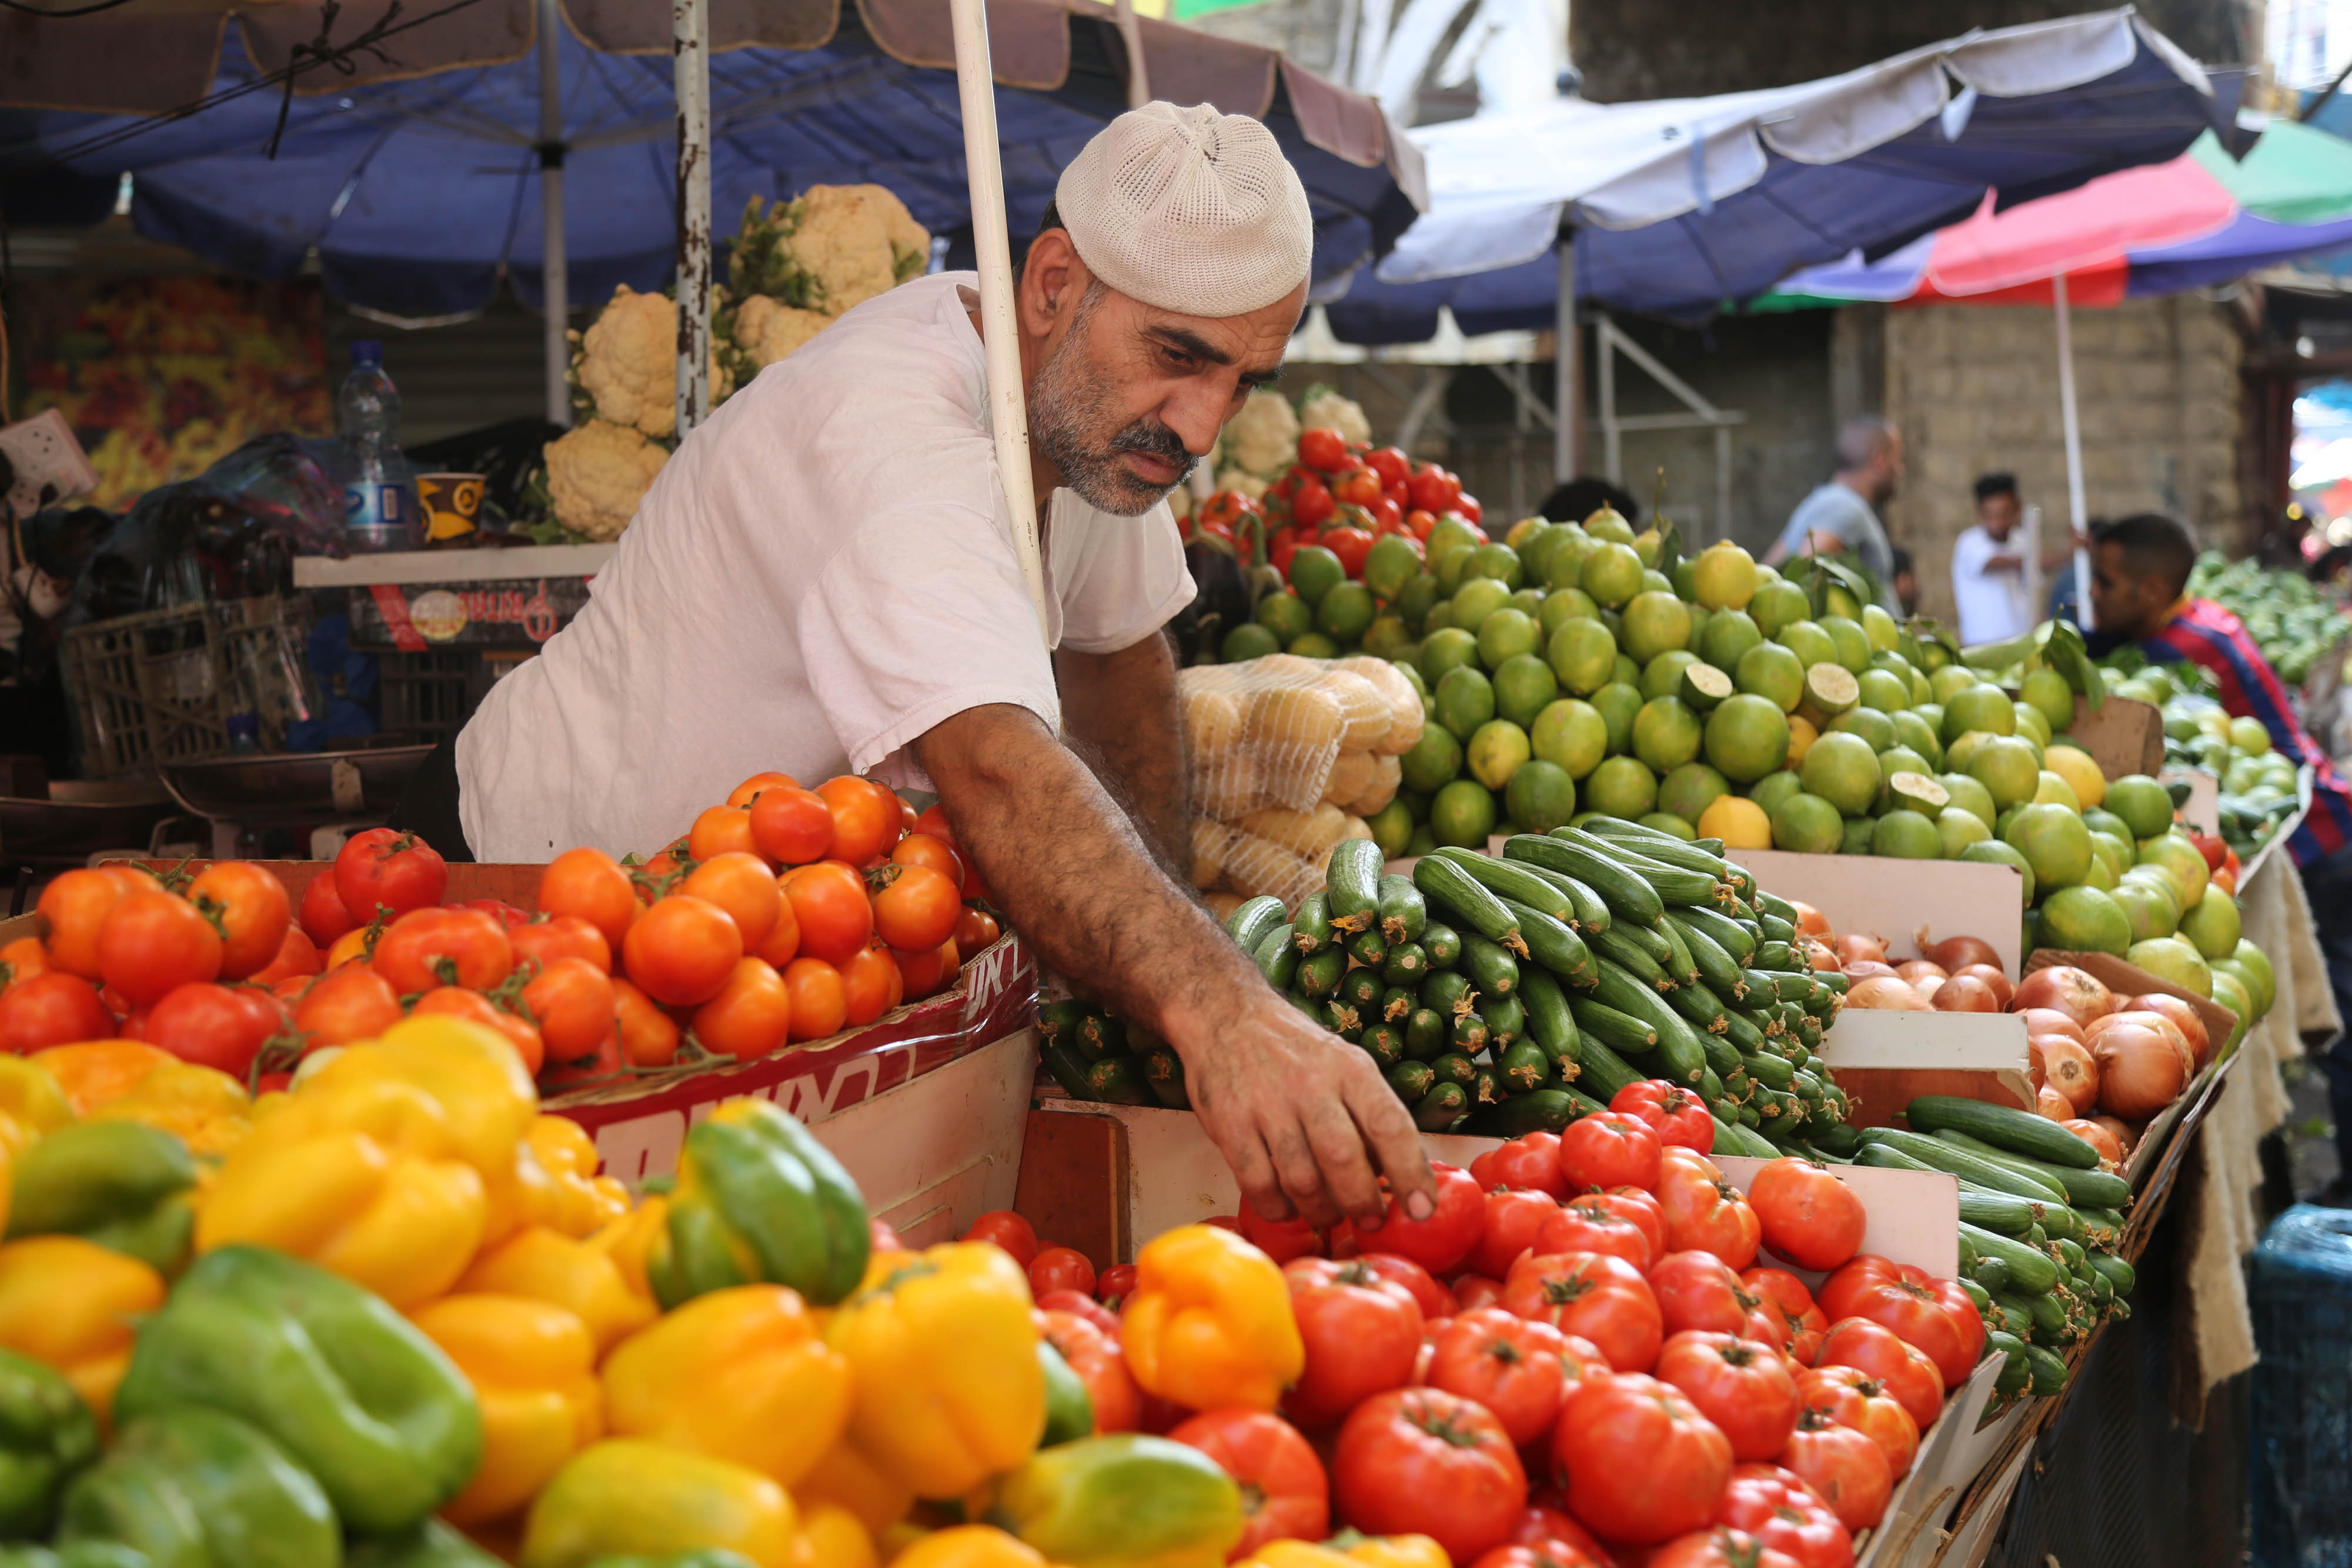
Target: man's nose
x: 1196, y: 416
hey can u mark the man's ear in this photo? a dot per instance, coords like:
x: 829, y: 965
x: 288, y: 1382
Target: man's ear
x: 1048, y: 277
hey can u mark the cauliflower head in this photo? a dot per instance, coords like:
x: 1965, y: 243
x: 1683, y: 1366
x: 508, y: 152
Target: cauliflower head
x: 1263, y: 436
x: 596, y: 475
x: 1326, y: 410
x: 629, y: 363
x: 768, y: 329
x: 854, y: 242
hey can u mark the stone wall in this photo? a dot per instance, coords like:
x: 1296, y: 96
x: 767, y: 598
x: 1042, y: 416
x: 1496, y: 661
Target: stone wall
x: 1975, y: 390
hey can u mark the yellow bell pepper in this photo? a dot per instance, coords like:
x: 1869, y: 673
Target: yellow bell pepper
x: 624, y: 1495
x: 33, y: 1099
x: 943, y: 1353
x: 1209, y: 1323
x: 739, y: 1374
x: 76, y: 1305
x: 1397, y: 1551
x: 844, y: 1477
x: 533, y: 1368
x: 584, y: 1202
x: 206, y: 1109
x: 970, y: 1546
x: 628, y: 1240
x: 471, y: 1071
x: 832, y: 1537
x: 1288, y: 1554
x: 573, y: 1275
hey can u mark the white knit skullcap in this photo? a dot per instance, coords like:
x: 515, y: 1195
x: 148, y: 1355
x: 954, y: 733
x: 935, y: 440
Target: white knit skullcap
x: 1188, y: 210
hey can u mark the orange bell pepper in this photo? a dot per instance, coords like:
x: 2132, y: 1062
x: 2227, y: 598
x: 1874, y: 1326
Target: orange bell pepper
x: 970, y: 1546
x: 844, y: 1477
x: 586, y: 1280
x: 533, y: 1368
x: 832, y: 1537
x: 1209, y: 1323
x: 76, y: 1305
x: 739, y: 1374
x: 120, y: 1080
x: 102, y: 1069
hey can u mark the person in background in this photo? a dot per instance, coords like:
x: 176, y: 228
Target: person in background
x: 1989, y: 566
x: 1580, y: 498
x: 2139, y: 572
x: 1840, y: 518
x: 1906, y: 584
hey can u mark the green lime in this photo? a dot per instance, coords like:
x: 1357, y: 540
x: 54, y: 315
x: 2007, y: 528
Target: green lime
x: 1994, y: 852
x: 1451, y: 571
x: 1958, y: 828
x: 1880, y: 627
x: 1855, y: 837
x: 1477, y: 599
x: 1529, y: 602
x: 1408, y: 666
x: 1921, y: 693
x: 1917, y: 733
x: 1500, y: 562
x: 1773, y: 672
x: 1728, y: 634
x: 2053, y: 841
x: 1980, y: 706
x: 1392, y: 828
x: 1612, y: 574
x: 1505, y: 635
x: 1723, y: 577
x: 1389, y: 564
x: 2005, y: 766
x: 1564, y: 566
x: 1434, y: 761
x: 1535, y: 547
x: 1774, y: 788
x: 1960, y: 753
x: 2257, y: 965
x: 1662, y: 676
x: 1462, y: 814
x: 1620, y: 787
x: 1747, y: 738
x: 1656, y: 581
x: 1667, y: 822
x: 1932, y: 716
x: 1540, y: 797
x: 1413, y: 601
x: 2143, y: 806
x: 2147, y: 910
x: 1951, y: 681
x: 2030, y: 722
x: 1619, y: 702
x: 2213, y: 923
x: 1451, y: 536
x: 1314, y: 571
x: 1839, y: 599
x: 1346, y: 611
x: 1582, y: 654
x: 1572, y: 734
x: 1688, y: 791
x: 1654, y: 624
x: 2086, y: 920
x: 1444, y: 651
x: 1685, y: 576
x: 1285, y: 615
x: 1610, y: 524
x: 1852, y: 644
x: 2235, y: 993
x: 1313, y: 645
x: 1841, y: 769
x: 1884, y: 691
x: 1807, y: 825
x: 1248, y: 641
x: 1524, y: 687
x: 2047, y: 690
x: 1625, y: 671
x: 1463, y: 700
x: 1386, y: 637
x: 1703, y: 686
x: 1665, y: 734
x: 1495, y: 751
x: 1809, y: 642
x: 1438, y: 616
x: 2052, y: 789
x: 1699, y: 616
x: 1779, y: 603
x: 1868, y: 723
x: 1906, y: 835
x: 1969, y: 796
x: 1422, y: 841
x: 1562, y: 605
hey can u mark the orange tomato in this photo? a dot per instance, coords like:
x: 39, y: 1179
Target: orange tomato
x: 865, y: 818
x: 931, y: 970
x: 867, y: 982
x: 543, y: 941
x: 752, y: 1016
x: 649, y: 1036
x: 448, y: 945
x: 75, y: 905
x: 782, y: 943
x: 571, y: 1000
x: 25, y: 957
x: 131, y: 877
x: 346, y: 1005
x: 916, y: 909
x: 297, y: 957
x: 591, y: 885
x: 153, y: 941
x: 751, y: 788
x: 722, y: 829
x: 350, y: 948
x: 54, y: 1009
x: 252, y: 909
x: 932, y: 823
x: 830, y: 906
x: 791, y: 827
x: 921, y: 849
x: 745, y: 887
x: 474, y: 1008
x: 682, y: 950
x: 819, y: 1002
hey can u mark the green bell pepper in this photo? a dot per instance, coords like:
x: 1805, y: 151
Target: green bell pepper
x: 758, y: 1199
x: 122, y: 1185
x: 1069, y: 1408
x: 432, y: 1545
x: 352, y: 1390
x: 198, y: 1489
x: 80, y: 1555
x: 46, y: 1434
x: 1122, y: 1502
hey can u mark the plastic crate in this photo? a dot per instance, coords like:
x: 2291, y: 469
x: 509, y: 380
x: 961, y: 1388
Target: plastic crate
x: 430, y: 696
x: 158, y: 687
x: 2299, y: 1284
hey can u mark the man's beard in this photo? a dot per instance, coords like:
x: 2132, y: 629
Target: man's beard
x: 1070, y: 404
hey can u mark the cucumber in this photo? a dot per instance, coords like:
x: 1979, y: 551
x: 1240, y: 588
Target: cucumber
x: 1772, y: 928
x: 1617, y: 946
x: 1277, y: 958
x: 1602, y: 1072
x: 1492, y: 971
x: 1119, y: 1081
x: 1732, y: 1138
x: 1672, y: 884
x: 1775, y: 956
x: 1446, y: 884
x: 1253, y: 920
x: 1449, y: 993
x: 1774, y: 904
x: 2118, y: 1274
x: 1550, y: 943
x: 2050, y: 1319
x: 1658, y: 845
x: 1487, y: 1088
x: 1768, y: 1069
x: 1444, y: 943
x: 1454, y: 1068
x: 1397, y: 1004
x: 1410, y: 1080
x: 1626, y: 895
x: 2016, y: 1312
x: 1650, y: 939
x: 2049, y: 1373
x: 1960, y: 1162
x: 1995, y: 1211
x: 2015, y: 1373
x: 1832, y: 981
x: 1369, y: 946
x: 1305, y: 1004
x: 1743, y: 1032
x: 1728, y: 933
x: 1680, y: 967
x: 1537, y: 1110
x: 1714, y: 966
x: 1444, y: 1105
x: 2031, y: 1272
x: 1992, y: 1274
x: 1163, y: 1073
x: 1062, y: 1021
x: 1469, y: 1035
x: 1424, y: 1033
x: 1587, y: 911
x: 1510, y: 881
x: 1407, y: 964
x: 2004, y: 1127
x: 1507, y: 1020
x: 1101, y: 1035
x: 1384, y: 1043
x: 1067, y: 1067
x: 1523, y: 1066
x: 1311, y: 928
x: 1403, y: 912
x: 1352, y: 885
x: 1681, y: 1057
x: 1837, y: 1138
x: 1320, y: 976
x: 2096, y: 1188
x: 1792, y: 989
x: 1550, y: 1023
x: 1342, y: 1020
x: 1702, y: 1010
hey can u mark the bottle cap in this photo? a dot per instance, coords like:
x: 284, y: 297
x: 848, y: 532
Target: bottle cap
x: 366, y: 352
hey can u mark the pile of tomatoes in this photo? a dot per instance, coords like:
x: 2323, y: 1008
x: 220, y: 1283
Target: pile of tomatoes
x: 1596, y: 1348
x: 1346, y: 498
x: 784, y: 914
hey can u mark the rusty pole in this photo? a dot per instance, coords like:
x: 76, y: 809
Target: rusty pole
x: 690, y: 61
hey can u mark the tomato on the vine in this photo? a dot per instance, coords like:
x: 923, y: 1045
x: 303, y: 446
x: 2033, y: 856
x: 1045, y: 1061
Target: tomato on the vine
x: 1720, y: 1547
x: 1325, y: 450
x: 1907, y: 1373
x: 830, y: 907
x: 1934, y: 1316
x: 1743, y: 1387
x: 73, y: 907
x: 1390, y: 462
x: 1590, y: 1224
x: 152, y: 943
x: 1079, y: 1305
x: 867, y: 819
x: 443, y: 946
x: 1610, y: 1149
x: 915, y: 906
x: 1531, y: 1161
x: 1643, y: 1465
x: 1284, y: 1494
x: 682, y: 950
x: 1444, y: 1241
x: 346, y: 1005
x: 220, y: 1027
x: 51, y: 1009
x: 1674, y: 1112
x: 1472, y: 1291
x: 1515, y: 1368
x: 1362, y: 1333
x: 871, y: 985
x: 1808, y: 1216
x: 1357, y: 487
x: 539, y: 942
x: 1639, y: 1207
x: 1776, y: 1507
x: 1352, y: 544
x: 647, y: 1036
x: 1704, y: 1212
x: 587, y: 884
x: 1845, y: 1469
x: 1594, y: 1297
x: 1852, y: 1398
x: 745, y: 886
x: 975, y: 929
x: 298, y: 956
x: 250, y: 906
x: 384, y: 868
x: 455, y: 1001
x: 1421, y: 1461
x: 791, y: 827
x: 1515, y: 1221
x: 759, y: 784
x: 720, y: 831
x: 1432, y: 489
x: 1061, y: 1269
x: 1311, y: 507
x: 571, y: 999
x: 1546, y: 1552
x: 1782, y: 1293
x: 1114, y: 1284
x: 1467, y: 507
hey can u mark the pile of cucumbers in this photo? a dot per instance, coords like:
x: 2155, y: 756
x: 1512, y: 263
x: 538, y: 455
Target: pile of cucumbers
x: 2040, y: 1223
x: 1095, y: 1055
x: 1508, y: 996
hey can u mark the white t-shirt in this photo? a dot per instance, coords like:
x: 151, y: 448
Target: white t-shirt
x: 822, y: 572
x: 1993, y: 605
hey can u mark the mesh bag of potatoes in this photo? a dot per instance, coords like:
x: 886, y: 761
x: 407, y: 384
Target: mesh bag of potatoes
x: 1289, y: 756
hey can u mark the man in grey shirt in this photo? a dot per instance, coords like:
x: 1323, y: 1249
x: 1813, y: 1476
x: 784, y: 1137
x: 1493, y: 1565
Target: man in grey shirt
x: 1841, y: 517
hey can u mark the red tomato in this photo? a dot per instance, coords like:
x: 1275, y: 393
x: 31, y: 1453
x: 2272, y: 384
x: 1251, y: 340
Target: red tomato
x: 916, y: 906
x: 1591, y: 1225
x: 1311, y: 506
x: 865, y: 818
x: 830, y: 906
x: 721, y: 831
x: 250, y: 906
x: 1704, y: 1212
x: 682, y: 951
x: 589, y: 884
x: 1639, y: 1207
x: 382, y: 869
x: 1698, y: 1290
x: 1362, y: 1333
x: 932, y: 822
x: 1784, y: 1293
x: 1779, y: 1509
x: 1472, y: 1291
x: 975, y: 929
x: 543, y: 941
x: 1743, y: 1387
x: 648, y: 1036
x: 1387, y: 515
x: 1674, y: 1112
x: 745, y: 886
x: 346, y: 1005
x: 1435, y: 1299
x: 1593, y: 1297
x: 152, y: 943
x: 1843, y: 1468
x: 1356, y: 487
x: 220, y: 1027
x: 871, y: 985
x: 1323, y: 449
x: 921, y: 849
x: 1907, y: 1374
x: 1642, y: 1464
x: 1718, y: 1548
x: 1513, y: 1367
x: 1061, y: 1269
x: 1007, y: 1231
x: 1531, y: 1161
x: 1281, y: 1239
x: 452, y: 946
x: 297, y: 957
x: 73, y: 907
x: 1352, y: 545
x: 1112, y: 1286
x: 782, y: 943
x: 51, y: 1009
x: 1612, y: 1149
x: 1934, y: 1316
x: 1093, y: 1352
x: 1079, y: 1305
x: 792, y: 826
x: 1432, y: 489
x: 321, y: 913
x: 759, y: 784
x: 927, y: 973
x: 1807, y: 1215
x: 1467, y: 509
x: 571, y: 999
x: 1515, y: 1220
x: 1389, y: 463
x: 1284, y: 1494
x: 1852, y: 1398
x: 1547, y: 1552
x: 1446, y: 1239
x: 1426, y: 1462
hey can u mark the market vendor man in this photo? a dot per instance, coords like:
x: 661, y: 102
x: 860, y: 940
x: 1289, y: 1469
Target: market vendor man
x: 2139, y: 579
x: 821, y: 579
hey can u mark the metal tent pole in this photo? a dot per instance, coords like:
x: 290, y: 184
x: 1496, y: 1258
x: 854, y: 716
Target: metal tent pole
x: 690, y: 71
x: 1568, y: 374
x: 555, y: 282
x: 1008, y: 412
x: 1138, y: 76
x: 2074, y: 429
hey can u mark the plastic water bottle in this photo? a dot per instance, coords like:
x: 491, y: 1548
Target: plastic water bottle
x: 380, y: 511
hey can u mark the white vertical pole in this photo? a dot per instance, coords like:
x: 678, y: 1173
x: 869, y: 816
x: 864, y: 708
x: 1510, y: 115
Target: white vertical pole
x: 1008, y: 412
x: 690, y: 71
x: 2074, y: 429
x: 1722, y: 481
x: 1138, y: 76
x: 1566, y: 375
x: 555, y: 283
x: 1612, y: 448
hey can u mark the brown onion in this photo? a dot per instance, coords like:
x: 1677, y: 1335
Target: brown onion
x: 2068, y: 1067
x: 2121, y: 1131
x: 1995, y: 981
x: 2140, y: 1071
x: 1917, y: 969
x: 1955, y: 953
x: 2049, y: 1021
x: 1818, y: 958
x: 1811, y: 921
x: 1866, y: 968
x: 1886, y: 994
x: 2096, y: 1135
x: 2187, y: 1018
x: 1964, y: 994
x: 2078, y: 995
x: 2156, y: 1022
x: 1860, y: 945
x: 2053, y: 1105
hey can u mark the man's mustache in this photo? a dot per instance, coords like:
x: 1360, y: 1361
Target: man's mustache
x: 1152, y: 439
